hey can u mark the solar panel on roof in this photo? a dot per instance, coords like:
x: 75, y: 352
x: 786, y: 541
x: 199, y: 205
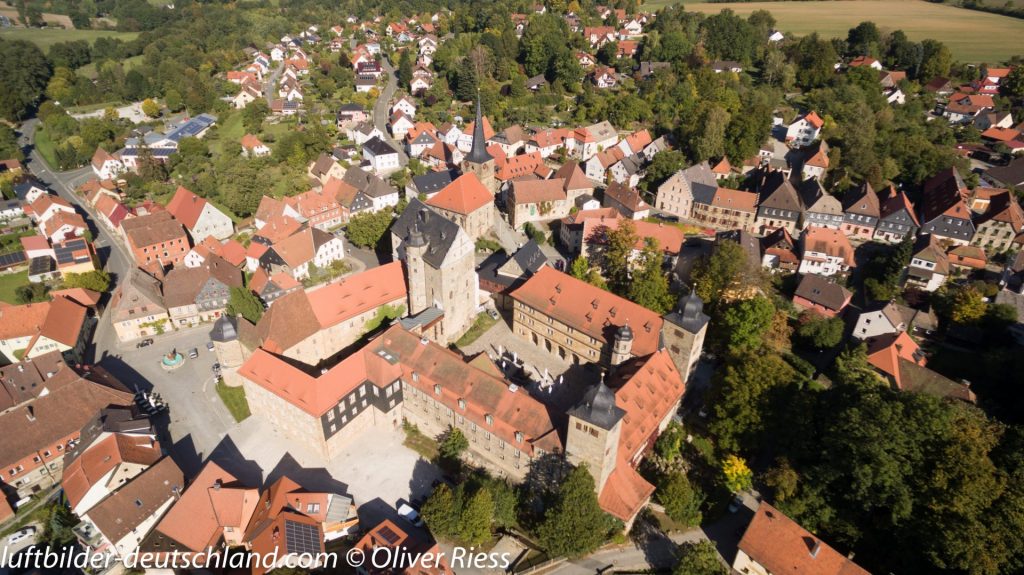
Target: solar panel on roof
x: 12, y: 259
x: 301, y: 538
x: 40, y: 265
x: 388, y: 535
x: 66, y: 253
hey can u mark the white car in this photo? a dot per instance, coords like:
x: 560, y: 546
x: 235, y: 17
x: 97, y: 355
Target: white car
x: 410, y: 514
x: 21, y: 535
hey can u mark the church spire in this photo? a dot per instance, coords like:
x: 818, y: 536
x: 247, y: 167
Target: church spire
x: 478, y: 153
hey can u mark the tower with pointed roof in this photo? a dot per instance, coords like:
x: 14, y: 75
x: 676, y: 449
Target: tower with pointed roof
x: 416, y: 245
x: 683, y: 332
x: 595, y: 424
x: 479, y: 161
x: 622, y: 345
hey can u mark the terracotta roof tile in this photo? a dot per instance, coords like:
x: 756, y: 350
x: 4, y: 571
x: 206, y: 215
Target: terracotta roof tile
x: 781, y: 545
x: 463, y: 196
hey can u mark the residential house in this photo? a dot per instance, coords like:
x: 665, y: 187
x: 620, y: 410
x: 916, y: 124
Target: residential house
x: 963, y: 108
x: 105, y: 165
x: 825, y: 251
x: 75, y: 255
x: 774, y: 543
x: 898, y: 219
x: 429, y: 184
x: 779, y: 204
x: 419, y: 139
x: 866, y: 61
x: 252, y: 147
x: 45, y: 405
x: 814, y: 160
x: 511, y: 140
x: 861, y: 212
x: 967, y: 258
x: 537, y: 200
x: 351, y: 115
x: 421, y: 554
x: 271, y: 208
x: 822, y: 209
x: 882, y: 318
x: 382, y: 158
x: 156, y: 238
x: 62, y: 226
x: 585, y: 142
x: 719, y: 66
x: 199, y: 294
x: 318, y: 207
x: 724, y: 208
x: 117, y: 525
x: 47, y: 206
x: 547, y: 141
x: 822, y: 295
x: 669, y: 239
x: 944, y: 212
x: 34, y: 329
x: 137, y: 307
x: 675, y: 195
x: 295, y: 254
x: 804, y: 130
x: 114, y: 447
x: 1000, y: 221
x: 897, y: 358
x: 399, y: 123
x: 269, y: 288
x: 199, y: 216
x: 325, y: 167
x: 929, y: 265
x: 377, y: 191
x: 29, y: 189
x: 626, y: 201
x: 571, y: 230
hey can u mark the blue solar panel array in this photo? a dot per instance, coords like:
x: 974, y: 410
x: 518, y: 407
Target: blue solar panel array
x: 192, y: 127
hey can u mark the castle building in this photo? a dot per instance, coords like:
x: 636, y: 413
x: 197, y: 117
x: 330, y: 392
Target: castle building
x: 581, y: 323
x: 478, y: 161
x: 441, y: 272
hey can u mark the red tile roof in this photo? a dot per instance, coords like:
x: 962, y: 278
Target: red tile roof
x: 186, y: 207
x: 781, y: 545
x: 537, y: 191
x: 590, y: 309
x: 463, y: 196
x: 829, y: 241
x: 357, y: 294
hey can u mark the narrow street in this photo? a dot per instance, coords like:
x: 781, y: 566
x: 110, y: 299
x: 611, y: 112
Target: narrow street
x: 380, y: 110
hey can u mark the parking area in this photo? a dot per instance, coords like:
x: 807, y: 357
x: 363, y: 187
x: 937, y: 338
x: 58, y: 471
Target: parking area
x: 376, y: 478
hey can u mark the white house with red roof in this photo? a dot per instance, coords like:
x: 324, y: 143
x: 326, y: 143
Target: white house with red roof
x: 804, y: 130
x: 252, y: 147
x: 105, y: 165
x: 199, y: 216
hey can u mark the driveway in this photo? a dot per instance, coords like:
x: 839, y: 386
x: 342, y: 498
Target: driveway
x: 131, y: 112
x: 383, y: 106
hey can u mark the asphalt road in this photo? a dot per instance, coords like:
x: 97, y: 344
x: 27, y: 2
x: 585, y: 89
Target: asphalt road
x: 383, y: 105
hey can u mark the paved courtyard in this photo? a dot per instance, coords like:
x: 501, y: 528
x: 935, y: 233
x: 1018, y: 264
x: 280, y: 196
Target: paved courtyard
x: 376, y: 469
x: 551, y: 379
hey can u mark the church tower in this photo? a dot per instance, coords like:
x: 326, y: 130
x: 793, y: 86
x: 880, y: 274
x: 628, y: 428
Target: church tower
x: 683, y: 333
x: 593, y: 437
x: 622, y: 345
x: 478, y: 161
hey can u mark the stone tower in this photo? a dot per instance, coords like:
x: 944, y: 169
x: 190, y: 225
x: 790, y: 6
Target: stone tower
x: 416, y: 245
x: 228, y: 348
x: 593, y: 436
x: 478, y: 161
x: 622, y: 345
x: 683, y: 333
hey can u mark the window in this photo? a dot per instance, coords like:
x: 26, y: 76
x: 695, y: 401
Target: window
x: 437, y: 389
x: 312, y: 508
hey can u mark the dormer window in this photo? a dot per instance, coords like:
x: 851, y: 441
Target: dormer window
x: 437, y: 389
x: 489, y: 419
x: 519, y: 437
x: 462, y: 404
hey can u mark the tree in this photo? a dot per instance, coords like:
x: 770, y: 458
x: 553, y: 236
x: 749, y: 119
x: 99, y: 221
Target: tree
x: 783, y: 479
x: 575, y: 524
x: 367, y: 230
x: 617, y: 254
x: 864, y: 40
x: 745, y: 322
x: 453, y: 444
x: 150, y: 108
x: 742, y: 396
x: 581, y: 269
x: 441, y: 511
x: 96, y: 280
x: 670, y: 442
x: 173, y: 101
x: 735, y: 474
x: 1012, y: 86
x: 820, y: 332
x: 26, y: 72
x: 710, y: 140
x: 714, y: 276
x: 405, y: 69
x: 960, y: 304
x: 649, y: 286
x: 243, y: 302
x: 681, y: 501
x: 814, y: 58
x: 31, y: 293
x: 936, y: 60
x: 700, y: 558
x: 662, y: 167
x: 476, y: 517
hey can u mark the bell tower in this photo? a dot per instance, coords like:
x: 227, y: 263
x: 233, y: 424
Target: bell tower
x: 416, y: 245
x: 478, y: 161
x: 683, y: 333
x: 622, y: 345
x: 593, y: 437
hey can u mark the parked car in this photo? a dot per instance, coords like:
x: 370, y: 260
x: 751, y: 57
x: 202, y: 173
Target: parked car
x: 21, y: 535
x: 493, y: 313
x: 144, y: 343
x: 193, y: 353
x: 209, y: 346
x: 410, y: 514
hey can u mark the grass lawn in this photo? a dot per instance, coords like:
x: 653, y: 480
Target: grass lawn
x: 89, y: 70
x: 482, y: 323
x: 234, y: 400
x: 416, y: 441
x: 231, y: 130
x: 973, y: 36
x: 48, y: 37
x: 46, y: 147
x: 11, y: 282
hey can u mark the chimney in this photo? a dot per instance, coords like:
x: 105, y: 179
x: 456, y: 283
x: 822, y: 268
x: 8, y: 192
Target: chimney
x: 216, y: 485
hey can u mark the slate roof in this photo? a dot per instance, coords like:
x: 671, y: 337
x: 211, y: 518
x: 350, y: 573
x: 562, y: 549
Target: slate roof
x: 823, y: 291
x: 439, y: 231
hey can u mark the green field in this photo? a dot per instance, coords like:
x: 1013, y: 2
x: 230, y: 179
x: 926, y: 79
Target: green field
x: 89, y: 70
x: 234, y: 400
x: 11, y: 282
x: 48, y: 37
x: 972, y: 36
